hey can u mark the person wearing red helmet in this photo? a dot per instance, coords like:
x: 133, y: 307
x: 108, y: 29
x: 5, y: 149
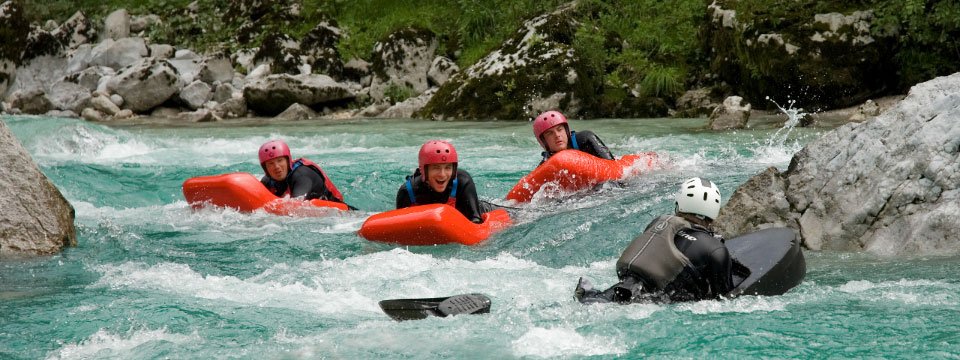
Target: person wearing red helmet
x: 437, y: 180
x: 296, y: 178
x: 554, y: 134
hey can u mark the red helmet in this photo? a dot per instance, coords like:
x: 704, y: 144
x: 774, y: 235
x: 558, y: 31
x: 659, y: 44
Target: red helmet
x: 547, y: 120
x: 436, y: 152
x: 273, y: 149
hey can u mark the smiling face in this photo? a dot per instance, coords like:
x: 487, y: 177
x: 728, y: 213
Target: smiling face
x: 277, y: 168
x: 556, y: 138
x: 438, y: 175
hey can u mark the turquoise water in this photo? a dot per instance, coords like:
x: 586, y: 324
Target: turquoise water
x: 152, y: 278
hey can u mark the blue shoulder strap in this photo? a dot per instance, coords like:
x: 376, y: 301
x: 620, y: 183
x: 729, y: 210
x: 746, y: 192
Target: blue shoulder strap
x: 413, y: 198
x: 453, y: 193
x: 296, y: 165
x: 573, y: 140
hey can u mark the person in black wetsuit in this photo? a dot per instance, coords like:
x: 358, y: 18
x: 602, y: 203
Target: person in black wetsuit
x: 554, y: 134
x: 296, y: 178
x: 676, y: 258
x: 438, y: 181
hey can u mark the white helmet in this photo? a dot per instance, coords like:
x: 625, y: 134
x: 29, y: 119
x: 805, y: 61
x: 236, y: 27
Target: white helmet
x: 699, y: 196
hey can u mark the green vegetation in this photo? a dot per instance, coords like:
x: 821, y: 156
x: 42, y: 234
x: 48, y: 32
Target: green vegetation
x: 927, y: 31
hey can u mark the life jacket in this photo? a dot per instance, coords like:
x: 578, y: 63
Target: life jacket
x: 452, y: 200
x: 653, y: 255
x: 326, y: 179
x: 573, y: 144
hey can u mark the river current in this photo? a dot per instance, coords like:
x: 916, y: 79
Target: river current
x: 153, y: 278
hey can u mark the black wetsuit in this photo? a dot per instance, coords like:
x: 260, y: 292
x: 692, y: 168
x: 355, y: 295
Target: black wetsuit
x: 709, y: 277
x: 304, y: 181
x: 587, y: 142
x: 466, y: 197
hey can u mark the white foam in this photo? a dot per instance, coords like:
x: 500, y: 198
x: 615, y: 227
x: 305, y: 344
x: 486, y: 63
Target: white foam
x: 557, y: 342
x: 743, y: 304
x: 104, y: 344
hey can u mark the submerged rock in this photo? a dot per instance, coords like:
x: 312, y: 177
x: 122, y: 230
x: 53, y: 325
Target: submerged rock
x: 35, y: 218
x: 889, y: 186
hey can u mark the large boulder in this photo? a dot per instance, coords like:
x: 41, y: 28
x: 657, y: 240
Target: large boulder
x: 119, y: 53
x: 145, y: 85
x: 731, y: 115
x: 402, y: 60
x: 272, y: 94
x: 65, y: 95
x: 537, y: 69
x: 816, y: 52
x: 76, y: 31
x: 117, y: 25
x: 890, y: 185
x: 35, y: 218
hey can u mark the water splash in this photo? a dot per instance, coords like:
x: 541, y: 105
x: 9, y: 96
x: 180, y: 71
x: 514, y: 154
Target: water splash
x: 777, y: 145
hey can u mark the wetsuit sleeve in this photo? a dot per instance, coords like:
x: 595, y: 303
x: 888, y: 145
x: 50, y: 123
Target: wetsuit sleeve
x: 711, y: 259
x: 403, y: 199
x: 266, y: 181
x: 591, y: 143
x: 308, y: 183
x: 467, y: 201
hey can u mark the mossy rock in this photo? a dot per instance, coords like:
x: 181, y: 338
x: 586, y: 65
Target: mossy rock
x: 526, y: 67
x: 791, y: 52
x: 14, y: 30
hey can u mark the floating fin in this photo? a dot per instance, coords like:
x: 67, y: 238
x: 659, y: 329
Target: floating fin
x: 415, y: 309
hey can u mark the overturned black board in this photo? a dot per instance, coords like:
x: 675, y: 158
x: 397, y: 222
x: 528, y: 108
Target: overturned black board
x: 415, y: 309
x: 766, y: 262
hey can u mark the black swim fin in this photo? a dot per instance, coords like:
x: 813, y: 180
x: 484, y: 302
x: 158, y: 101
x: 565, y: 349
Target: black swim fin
x: 415, y: 309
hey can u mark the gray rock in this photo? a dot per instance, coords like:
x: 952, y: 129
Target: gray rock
x: 124, y: 114
x: 65, y: 95
x: 356, y: 69
x: 232, y: 108
x: 76, y: 31
x: 730, y: 115
x: 162, y: 51
x: 373, y: 110
x: 90, y: 77
x: 117, y: 25
x: 441, y: 70
x: 406, y: 109
x: 146, y: 84
x: 214, y: 69
x: 31, y: 101
x: 196, y: 94
x: 37, y: 219
x: 695, y: 102
x: 186, y: 54
x: 61, y: 114
x: 275, y: 93
x: 119, y: 53
x: 104, y: 105
x: 297, y: 112
x: 141, y: 23
x: 165, y: 112
x: 402, y: 60
x: 187, y: 69
x: 7, y: 71
x: 202, y: 115
x: 79, y: 59
x: 889, y: 186
x: 91, y: 114
x: 116, y: 99
x: 224, y: 92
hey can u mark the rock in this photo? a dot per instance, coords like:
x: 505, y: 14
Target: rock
x: 76, y: 31
x: 31, y: 101
x: 124, y: 114
x: 441, y: 70
x: 116, y: 99
x: 260, y: 71
x: 867, y: 110
x: 202, y: 115
x: 812, y: 54
x: 187, y: 69
x: 165, y: 112
x: 141, y: 23
x: 357, y: 69
x: 162, y: 51
x: 186, y: 54
x: 889, y: 186
x: 119, y: 53
x: 38, y: 74
x: 61, y: 114
x: 225, y: 92
x: 297, y: 112
x: 695, y: 103
x: 730, y: 115
x: 104, y: 105
x: 319, y: 49
x: 41, y: 43
x: 244, y: 59
x: 117, y: 25
x: 91, y: 114
x: 196, y: 94
x: 232, y: 108
x: 69, y: 96
x: 7, y: 71
x: 374, y: 110
x: 90, y: 77
x: 15, y: 29
x: 275, y: 93
x: 37, y: 219
x: 281, y: 52
x: 50, y: 25
x: 402, y: 60
x: 79, y: 59
x: 146, y: 84
x: 214, y: 69
x: 406, y: 109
